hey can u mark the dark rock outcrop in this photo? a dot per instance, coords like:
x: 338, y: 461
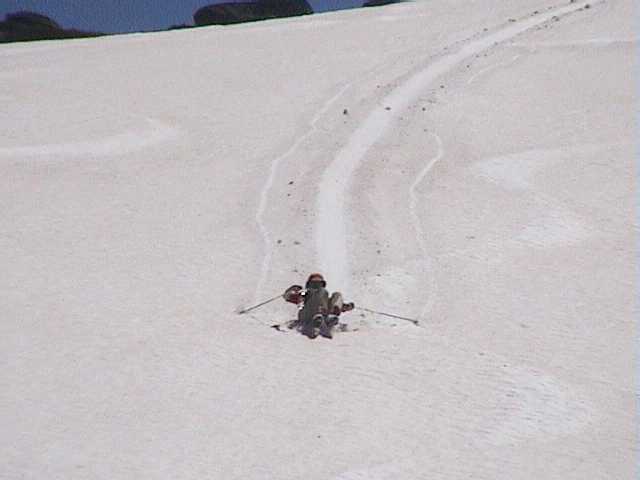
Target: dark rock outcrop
x: 31, y: 20
x: 28, y: 26
x: 230, y: 13
x: 181, y: 26
x: 379, y: 3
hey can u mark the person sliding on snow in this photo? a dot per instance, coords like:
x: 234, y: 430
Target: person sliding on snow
x: 316, y: 307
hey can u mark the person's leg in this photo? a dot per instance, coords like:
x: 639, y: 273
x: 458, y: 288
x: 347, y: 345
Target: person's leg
x: 335, y: 303
x: 306, y: 321
x: 324, y: 301
x: 331, y: 320
x: 315, y: 304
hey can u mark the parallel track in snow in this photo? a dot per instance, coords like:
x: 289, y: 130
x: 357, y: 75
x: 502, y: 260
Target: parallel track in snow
x: 331, y: 229
x: 415, y: 217
x: 266, y: 189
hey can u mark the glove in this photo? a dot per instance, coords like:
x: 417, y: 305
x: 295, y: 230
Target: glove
x: 292, y: 289
x: 347, y: 307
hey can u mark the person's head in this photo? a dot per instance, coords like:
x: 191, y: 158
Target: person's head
x: 316, y: 281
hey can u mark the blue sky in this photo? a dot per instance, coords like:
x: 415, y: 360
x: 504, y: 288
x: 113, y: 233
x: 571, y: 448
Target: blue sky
x: 113, y: 16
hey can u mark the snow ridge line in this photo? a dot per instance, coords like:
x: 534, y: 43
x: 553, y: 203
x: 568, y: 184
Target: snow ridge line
x: 492, y: 67
x: 268, y: 185
x: 415, y: 219
x: 331, y: 224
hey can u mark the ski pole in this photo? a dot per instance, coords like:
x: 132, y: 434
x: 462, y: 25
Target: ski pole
x: 245, y: 310
x: 412, y: 320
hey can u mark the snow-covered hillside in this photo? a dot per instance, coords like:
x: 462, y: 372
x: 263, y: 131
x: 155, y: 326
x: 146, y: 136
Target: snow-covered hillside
x: 466, y: 163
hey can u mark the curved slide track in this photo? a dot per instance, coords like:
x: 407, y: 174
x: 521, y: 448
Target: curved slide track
x: 332, y: 224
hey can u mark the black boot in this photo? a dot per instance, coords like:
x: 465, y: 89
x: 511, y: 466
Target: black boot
x: 310, y: 327
x: 326, y: 327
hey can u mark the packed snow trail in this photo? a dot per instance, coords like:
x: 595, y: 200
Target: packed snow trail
x: 266, y: 189
x: 154, y: 132
x: 331, y: 225
x: 415, y: 217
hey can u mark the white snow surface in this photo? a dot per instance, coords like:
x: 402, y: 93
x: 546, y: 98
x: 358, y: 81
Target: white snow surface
x: 467, y: 163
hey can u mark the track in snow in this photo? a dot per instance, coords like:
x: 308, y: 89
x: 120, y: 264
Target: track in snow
x: 473, y: 78
x: 153, y: 133
x: 266, y: 189
x: 331, y: 224
x: 415, y: 217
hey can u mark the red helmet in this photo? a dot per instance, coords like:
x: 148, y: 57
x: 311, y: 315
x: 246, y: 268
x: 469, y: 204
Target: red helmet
x: 316, y: 277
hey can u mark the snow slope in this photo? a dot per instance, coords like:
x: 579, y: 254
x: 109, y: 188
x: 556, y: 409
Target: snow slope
x: 467, y: 163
